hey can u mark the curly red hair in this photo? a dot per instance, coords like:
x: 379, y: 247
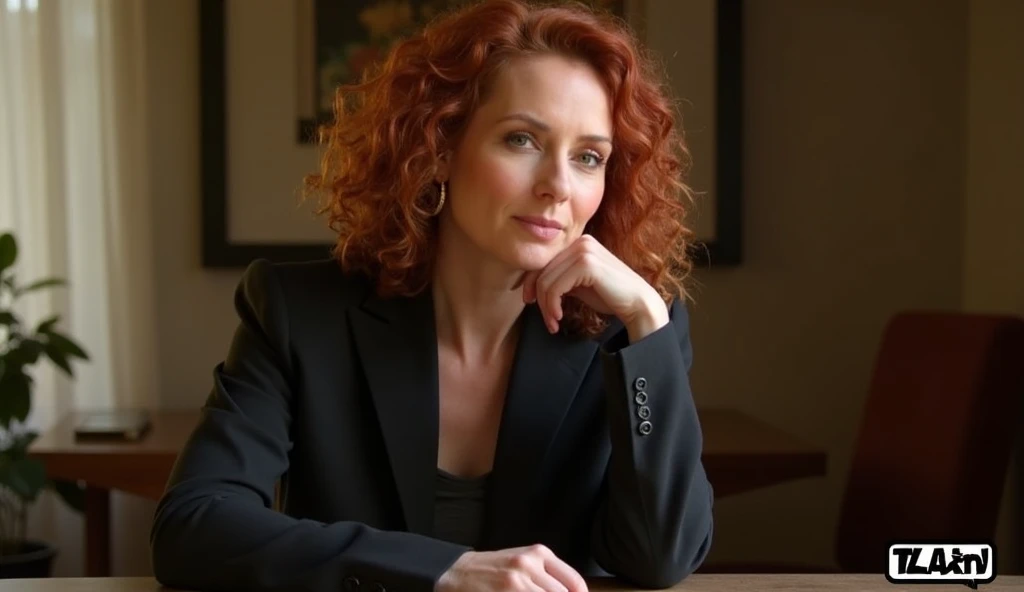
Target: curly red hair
x: 382, y: 151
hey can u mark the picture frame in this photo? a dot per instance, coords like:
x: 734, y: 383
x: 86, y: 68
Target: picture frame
x: 227, y: 144
x: 340, y: 39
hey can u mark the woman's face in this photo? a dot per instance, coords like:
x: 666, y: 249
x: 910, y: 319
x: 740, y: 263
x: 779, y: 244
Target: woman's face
x: 529, y: 172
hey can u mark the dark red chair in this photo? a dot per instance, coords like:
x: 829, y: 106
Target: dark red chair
x: 935, y: 440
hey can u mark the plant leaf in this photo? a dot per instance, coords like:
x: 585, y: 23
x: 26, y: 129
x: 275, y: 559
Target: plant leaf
x: 59, y: 358
x: 67, y: 346
x: 8, y: 251
x: 26, y: 477
x: 72, y: 493
x: 15, y: 397
x: 25, y: 353
x: 39, y: 284
x: 47, y: 325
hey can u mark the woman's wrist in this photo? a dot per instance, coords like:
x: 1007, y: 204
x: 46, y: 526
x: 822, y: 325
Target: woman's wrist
x: 650, y: 316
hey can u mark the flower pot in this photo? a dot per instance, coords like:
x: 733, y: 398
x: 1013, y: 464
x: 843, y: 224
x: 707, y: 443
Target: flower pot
x: 31, y: 559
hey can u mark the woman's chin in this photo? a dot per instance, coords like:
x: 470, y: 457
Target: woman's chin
x: 531, y: 257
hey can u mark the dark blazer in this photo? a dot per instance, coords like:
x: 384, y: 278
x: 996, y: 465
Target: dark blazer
x: 334, y: 391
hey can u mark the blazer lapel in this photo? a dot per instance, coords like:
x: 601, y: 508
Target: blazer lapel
x: 546, y: 375
x: 397, y: 344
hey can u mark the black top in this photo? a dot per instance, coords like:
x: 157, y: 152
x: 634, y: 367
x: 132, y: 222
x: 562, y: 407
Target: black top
x: 459, y: 509
x: 331, y: 391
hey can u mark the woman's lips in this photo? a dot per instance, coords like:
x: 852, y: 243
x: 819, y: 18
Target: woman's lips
x: 543, y: 230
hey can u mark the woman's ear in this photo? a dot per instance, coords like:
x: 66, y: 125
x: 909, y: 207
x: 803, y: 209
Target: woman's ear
x: 443, y: 167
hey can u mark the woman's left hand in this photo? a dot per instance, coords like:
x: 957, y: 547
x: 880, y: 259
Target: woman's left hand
x: 588, y: 271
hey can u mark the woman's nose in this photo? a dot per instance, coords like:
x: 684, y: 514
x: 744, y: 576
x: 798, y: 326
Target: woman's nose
x: 554, y: 182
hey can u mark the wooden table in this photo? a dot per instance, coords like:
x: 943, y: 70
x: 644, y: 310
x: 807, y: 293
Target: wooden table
x: 695, y: 583
x: 740, y: 454
x: 141, y: 468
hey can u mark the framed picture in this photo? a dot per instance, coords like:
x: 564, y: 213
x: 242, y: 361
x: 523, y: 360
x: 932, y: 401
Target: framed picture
x: 267, y: 73
x: 342, y: 38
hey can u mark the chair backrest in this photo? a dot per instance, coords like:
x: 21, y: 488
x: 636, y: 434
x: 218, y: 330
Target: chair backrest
x: 936, y: 436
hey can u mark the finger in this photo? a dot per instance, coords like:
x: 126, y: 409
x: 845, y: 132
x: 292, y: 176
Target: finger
x: 558, y: 569
x: 579, y: 273
x: 530, y: 285
x: 547, y: 582
x: 549, y: 301
x: 570, y: 251
x: 527, y: 582
x: 585, y: 246
x: 564, y: 574
x: 560, y: 282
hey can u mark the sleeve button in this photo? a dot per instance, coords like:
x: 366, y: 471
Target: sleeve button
x: 645, y: 428
x: 640, y: 383
x: 379, y: 588
x: 644, y: 412
x: 352, y: 584
x: 641, y: 398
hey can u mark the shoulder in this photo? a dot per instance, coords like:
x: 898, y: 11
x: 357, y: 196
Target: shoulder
x: 308, y: 286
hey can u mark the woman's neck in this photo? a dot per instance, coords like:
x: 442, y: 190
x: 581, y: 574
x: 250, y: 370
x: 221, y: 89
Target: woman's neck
x: 477, y: 302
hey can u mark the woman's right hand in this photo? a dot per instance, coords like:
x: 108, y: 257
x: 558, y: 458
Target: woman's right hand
x: 533, y: 569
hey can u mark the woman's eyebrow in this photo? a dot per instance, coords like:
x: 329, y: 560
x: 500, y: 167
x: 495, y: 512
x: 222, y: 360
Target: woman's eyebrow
x: 546, y: 128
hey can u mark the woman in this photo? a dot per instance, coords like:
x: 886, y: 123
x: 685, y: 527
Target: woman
x: 486, y: 388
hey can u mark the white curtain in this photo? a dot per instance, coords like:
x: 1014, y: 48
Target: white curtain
x: 73, y: 186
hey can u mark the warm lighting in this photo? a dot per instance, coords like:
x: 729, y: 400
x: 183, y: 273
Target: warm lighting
x: 17, y: 5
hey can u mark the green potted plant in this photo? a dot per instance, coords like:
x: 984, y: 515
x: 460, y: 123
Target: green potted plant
x: 23, y: 478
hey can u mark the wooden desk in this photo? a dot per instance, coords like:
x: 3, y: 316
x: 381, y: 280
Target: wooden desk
x: 740, y: 454
x: 695, y: 583
x: 139, y: 467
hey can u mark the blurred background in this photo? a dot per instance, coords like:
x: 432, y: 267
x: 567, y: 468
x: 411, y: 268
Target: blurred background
x: 873, y: 164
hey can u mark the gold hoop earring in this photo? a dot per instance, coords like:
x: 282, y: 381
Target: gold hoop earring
x: 440, y: 202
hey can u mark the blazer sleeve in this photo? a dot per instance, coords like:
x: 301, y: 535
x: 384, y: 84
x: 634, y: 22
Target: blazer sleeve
x: 214, y: 527
x: 654, y: 524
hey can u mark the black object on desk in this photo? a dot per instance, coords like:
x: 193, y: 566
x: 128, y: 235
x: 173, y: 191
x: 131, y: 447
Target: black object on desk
x: 119, y: 424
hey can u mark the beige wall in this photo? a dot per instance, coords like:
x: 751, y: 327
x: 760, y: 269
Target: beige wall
x: 856, y: 172
x: 854, y: 184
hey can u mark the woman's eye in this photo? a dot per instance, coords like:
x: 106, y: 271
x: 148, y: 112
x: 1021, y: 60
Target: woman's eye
x: 591, y: 159
x: 519, y: 140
